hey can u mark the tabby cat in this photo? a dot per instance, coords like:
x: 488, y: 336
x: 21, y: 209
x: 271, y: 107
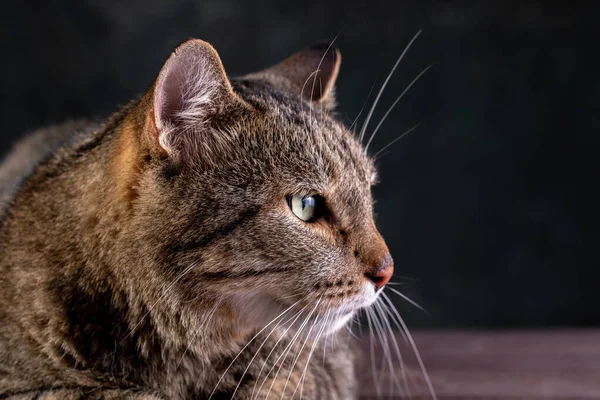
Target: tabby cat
x: 209, y: 240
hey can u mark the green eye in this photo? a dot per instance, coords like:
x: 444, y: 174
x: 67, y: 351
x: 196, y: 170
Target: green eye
x: 307, y: 208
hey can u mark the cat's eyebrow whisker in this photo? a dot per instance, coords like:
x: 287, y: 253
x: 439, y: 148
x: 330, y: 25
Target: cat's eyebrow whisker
x: 389, y: 110
x: 362, y: 108
x: 405, y: 297
x: 315, y: 72
x: 395, y: 316
x: 395, y: 140
x: 248, y: 344
x: 312, y: 90
x: 366, y: 123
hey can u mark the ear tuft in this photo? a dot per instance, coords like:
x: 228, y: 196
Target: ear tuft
x: 310, y: 73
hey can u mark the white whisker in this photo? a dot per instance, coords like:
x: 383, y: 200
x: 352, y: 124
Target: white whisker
x: 271, y: 352
x: 405, y: 297
x: 384, y: 317
x: 394, y: 104
x: 366, y: 123
x: 261, y: 346
x: 385, y: 348
x: 362, y: 108
x: 287, y: 349
x: 376, y: 381
x: 412, y: 343
x: 248, y: 344
x: 298, y: 356
x: 312, y: 349
x: 395, y: 140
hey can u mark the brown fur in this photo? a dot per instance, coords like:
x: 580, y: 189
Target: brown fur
x: 139, y: 257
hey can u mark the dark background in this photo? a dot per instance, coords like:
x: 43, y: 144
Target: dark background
x: 491, y: 204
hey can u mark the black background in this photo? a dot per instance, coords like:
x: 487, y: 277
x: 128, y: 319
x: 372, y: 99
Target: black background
x: 491, y: 204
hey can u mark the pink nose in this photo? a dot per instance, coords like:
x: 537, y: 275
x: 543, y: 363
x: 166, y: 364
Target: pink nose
x: 383, y: 274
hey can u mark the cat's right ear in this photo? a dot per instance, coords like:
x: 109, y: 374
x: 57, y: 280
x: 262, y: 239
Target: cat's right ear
x: 310, y: 73
x: 190, y: 97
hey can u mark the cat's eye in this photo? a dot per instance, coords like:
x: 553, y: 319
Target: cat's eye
x: 306, y: 207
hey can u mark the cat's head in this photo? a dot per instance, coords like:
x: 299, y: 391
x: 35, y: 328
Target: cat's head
x: 249, y: 191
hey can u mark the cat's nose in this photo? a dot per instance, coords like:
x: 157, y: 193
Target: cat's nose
x: 382, y: 273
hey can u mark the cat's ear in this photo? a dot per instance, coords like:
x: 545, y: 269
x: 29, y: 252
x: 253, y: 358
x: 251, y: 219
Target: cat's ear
x: 191, y: 93
x: 310, y: 73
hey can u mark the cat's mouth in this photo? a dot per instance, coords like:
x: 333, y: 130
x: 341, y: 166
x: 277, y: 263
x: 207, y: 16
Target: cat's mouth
x: 324, y: 309
x: 332, y: 309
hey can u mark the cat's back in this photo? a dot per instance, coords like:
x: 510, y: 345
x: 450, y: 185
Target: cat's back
x: 32, y: 150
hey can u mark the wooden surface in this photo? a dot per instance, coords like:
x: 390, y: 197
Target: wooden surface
x: 486, y: 365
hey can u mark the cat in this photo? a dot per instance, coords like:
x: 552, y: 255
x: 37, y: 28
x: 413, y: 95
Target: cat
x: 211, y: 239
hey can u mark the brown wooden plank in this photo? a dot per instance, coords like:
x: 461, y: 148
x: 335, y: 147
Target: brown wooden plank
x: 556, y: 365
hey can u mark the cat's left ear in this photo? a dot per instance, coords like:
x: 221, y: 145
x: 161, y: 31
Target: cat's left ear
x: 310, y: 73
x: 190, y: 99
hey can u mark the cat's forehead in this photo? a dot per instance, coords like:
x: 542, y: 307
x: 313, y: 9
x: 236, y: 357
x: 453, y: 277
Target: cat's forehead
x: 291, y: 125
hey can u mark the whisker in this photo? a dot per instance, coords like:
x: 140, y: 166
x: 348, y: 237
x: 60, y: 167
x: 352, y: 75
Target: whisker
x: 366, y: 124
x: 286, y: 351
x: 312, y: 90
x: 298, y: 356
x: 383, y: 310
x: 376, y: 381
x: 405, y: 297
x: 326, y: 337
x: 302, y: 94
x: 260, y: 347
x: 384, y: 346
x: 412, y: 343
x: 395, y: 140
x: 406, y: 278
x: 296, y: 337
x: 312, y: 349
x: 362, y: 108
x: 248, y: 344
x: 394, y: 104
x: 271, y: 352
